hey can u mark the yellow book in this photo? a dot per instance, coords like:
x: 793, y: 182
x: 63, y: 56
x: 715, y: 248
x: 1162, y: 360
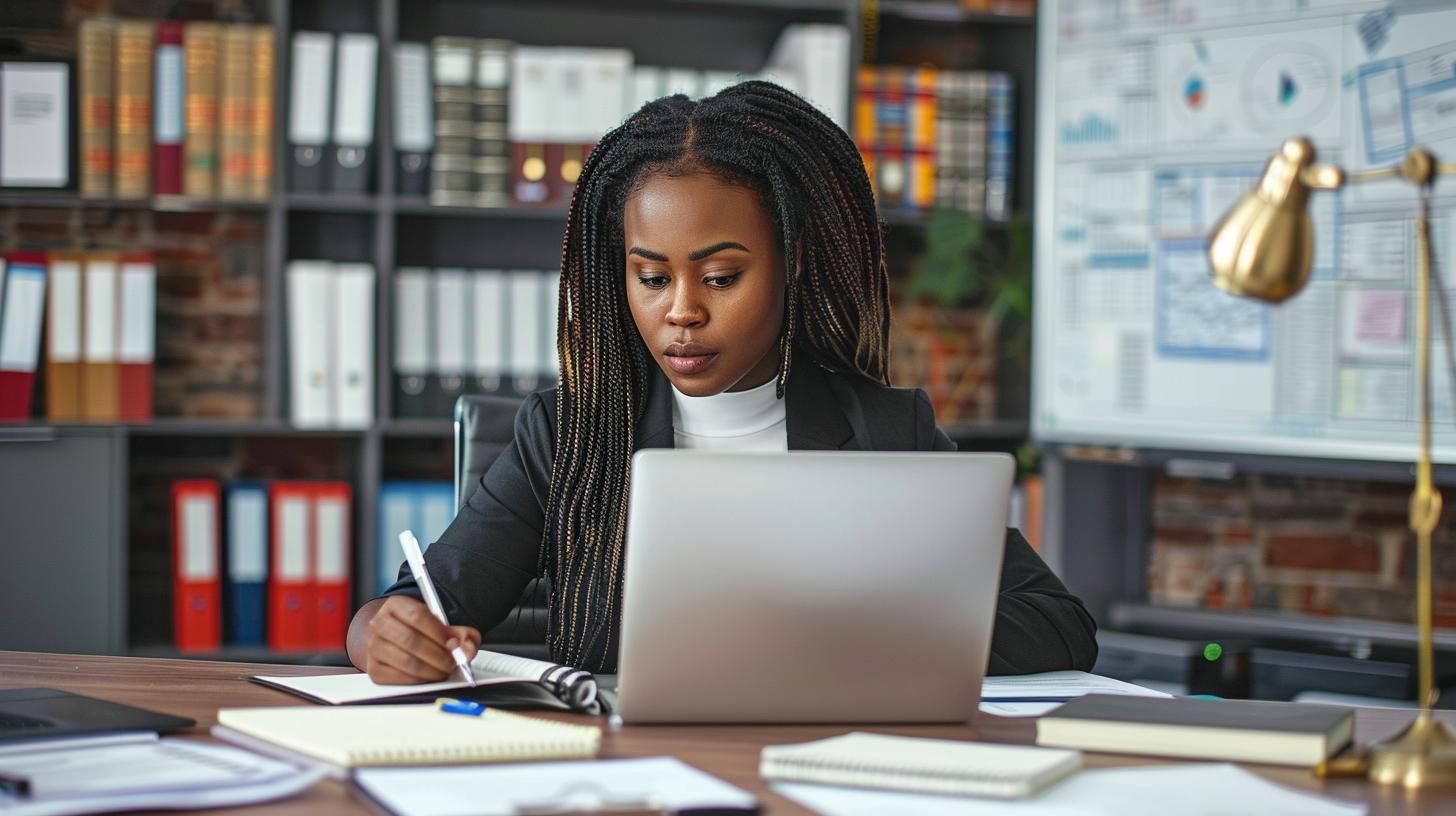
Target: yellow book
x: 260, y: 152
x: 133, y: 146
x: 201, y: 42
x: 356, y: 736
x: 98, y: 103
x: 235, y: 137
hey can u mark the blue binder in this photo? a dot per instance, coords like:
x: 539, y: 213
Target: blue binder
x: 246, y: 587
x: 426, y: 508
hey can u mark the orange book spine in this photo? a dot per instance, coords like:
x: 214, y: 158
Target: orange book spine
x: 235, y: 139
x: 200, y: 45
x: 97, y: 37
x: 260, y: 154
x: 64, y: 319
x: 133, y: 109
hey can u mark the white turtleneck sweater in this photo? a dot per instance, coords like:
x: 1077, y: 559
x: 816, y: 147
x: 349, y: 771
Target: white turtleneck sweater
x: 752, y: 420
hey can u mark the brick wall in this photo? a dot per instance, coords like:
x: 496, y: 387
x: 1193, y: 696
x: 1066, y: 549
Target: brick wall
x: 1315, y: 546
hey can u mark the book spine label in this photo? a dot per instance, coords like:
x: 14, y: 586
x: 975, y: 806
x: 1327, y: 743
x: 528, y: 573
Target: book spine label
x: 168, y: 124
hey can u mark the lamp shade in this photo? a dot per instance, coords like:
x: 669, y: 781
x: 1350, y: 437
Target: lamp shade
x: 1263, y: 246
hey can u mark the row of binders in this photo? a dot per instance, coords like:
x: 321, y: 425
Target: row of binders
x: 269, y: 562
x: 933, y: 138
x: 486, y: 122
x: 459, y: 331
x: 176, y: 108
x: 330, y: 333
x: 100, y: 344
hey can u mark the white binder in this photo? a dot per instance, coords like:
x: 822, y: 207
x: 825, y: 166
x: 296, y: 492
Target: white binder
x: 526, y: 355
x: 412, y: 358
x: 354, y: 111
x: 311, y: 85
x: 353, y: 345
x: 310, y: 335
x: 452, y: 336
x: 488, y: 354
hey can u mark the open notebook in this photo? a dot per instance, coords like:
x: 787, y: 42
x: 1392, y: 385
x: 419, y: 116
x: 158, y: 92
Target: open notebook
x: 406, y: 735
x: 536, y: 684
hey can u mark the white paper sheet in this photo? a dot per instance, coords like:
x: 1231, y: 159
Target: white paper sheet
x: 1188, y: 790
x: 1003, y: 709
x: 648, y: 784
x: 1057, y: 686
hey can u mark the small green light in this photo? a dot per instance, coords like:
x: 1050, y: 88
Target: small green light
x: 1212, y: 652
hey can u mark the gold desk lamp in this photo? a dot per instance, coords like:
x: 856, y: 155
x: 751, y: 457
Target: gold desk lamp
x: 1262, y: 248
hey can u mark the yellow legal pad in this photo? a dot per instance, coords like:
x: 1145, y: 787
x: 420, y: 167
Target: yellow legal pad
x: 410, y: 735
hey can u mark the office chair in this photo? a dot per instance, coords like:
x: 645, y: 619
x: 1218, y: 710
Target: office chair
x: 484, y: 426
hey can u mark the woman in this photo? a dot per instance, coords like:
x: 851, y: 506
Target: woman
x: 723, y: 287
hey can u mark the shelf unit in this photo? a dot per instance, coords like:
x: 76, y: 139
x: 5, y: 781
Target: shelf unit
x: 391, y: 230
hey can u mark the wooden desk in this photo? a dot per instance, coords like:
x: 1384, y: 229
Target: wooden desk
x: 196, y: 689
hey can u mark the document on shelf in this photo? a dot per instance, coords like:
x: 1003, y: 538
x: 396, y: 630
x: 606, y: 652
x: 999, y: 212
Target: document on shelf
x: 1154, y: 790
x: 59, y: 779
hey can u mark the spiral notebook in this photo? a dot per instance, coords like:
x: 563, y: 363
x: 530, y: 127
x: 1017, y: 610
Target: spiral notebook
x: 410, y: 735
x: 865, y: 760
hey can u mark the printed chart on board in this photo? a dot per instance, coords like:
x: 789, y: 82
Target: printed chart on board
x: 1154, y: 117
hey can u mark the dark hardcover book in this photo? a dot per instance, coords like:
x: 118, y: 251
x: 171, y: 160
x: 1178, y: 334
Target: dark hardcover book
x: 1236, y: 730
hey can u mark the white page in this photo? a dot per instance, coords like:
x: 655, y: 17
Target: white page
x: 1154, y: 790
x: 664, y: 782
x: 34, y: 104
x: 1004, y: 709
x: 1059, y: 684
x: 342, y: 689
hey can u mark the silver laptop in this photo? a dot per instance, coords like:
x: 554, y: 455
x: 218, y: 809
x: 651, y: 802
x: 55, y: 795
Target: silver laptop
x: 810, y: 587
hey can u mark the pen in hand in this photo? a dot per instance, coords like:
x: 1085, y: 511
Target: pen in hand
x: 416, y: 560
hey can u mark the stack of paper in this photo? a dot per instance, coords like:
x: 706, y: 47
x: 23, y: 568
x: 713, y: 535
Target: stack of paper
x: 1030, y: 695
x: 136, y: 772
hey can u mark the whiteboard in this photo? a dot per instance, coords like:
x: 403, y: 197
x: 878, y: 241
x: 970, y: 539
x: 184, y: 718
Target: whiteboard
x: 1153, y: 117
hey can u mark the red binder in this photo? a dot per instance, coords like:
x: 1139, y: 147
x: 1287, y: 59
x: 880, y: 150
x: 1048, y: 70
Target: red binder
x: 136, y: 349
x: 331, y: 563
x: 197, y: 588
x: 292, y: 601
x: 167, y: 100
x: 22, y: 309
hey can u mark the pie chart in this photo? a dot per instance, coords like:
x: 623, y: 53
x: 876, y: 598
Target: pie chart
x: 1194, y: 92
x: 1291, y: 89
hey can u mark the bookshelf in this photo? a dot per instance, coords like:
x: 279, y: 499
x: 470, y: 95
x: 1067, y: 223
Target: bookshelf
x: 131, y: 462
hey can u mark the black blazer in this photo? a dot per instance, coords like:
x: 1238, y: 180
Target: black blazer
x: 490, y: 551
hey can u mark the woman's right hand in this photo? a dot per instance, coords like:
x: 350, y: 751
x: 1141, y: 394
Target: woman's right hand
x: 409, y: 645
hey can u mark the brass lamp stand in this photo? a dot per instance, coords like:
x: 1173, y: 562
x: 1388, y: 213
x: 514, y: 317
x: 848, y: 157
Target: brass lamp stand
x: 1263, y: 248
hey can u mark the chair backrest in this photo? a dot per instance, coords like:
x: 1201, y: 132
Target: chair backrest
x: 484, y: 426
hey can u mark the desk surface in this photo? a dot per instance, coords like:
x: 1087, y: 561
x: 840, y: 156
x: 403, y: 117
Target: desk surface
x: 196, y: 689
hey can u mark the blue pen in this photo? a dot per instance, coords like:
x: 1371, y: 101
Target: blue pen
x: 450, y: 705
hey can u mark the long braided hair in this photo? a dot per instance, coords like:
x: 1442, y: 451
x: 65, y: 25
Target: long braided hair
x: 812, y: 183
